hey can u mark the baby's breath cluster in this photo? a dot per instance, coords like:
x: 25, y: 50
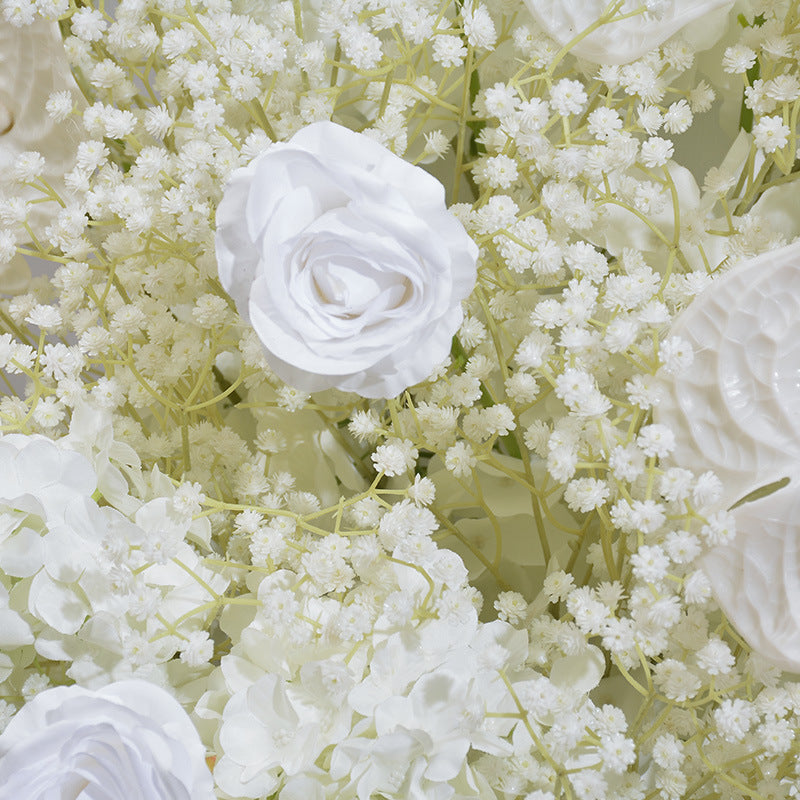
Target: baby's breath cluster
x: 489, y: 586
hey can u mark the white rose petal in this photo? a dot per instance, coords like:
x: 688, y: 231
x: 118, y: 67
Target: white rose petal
x: 128, y: 739
x: 345, y: 261
x: 623, y: 40
x: 756, y: 578
x: 734, y: 409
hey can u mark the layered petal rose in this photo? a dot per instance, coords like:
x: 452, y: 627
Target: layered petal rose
x: 130, y: 739
x: 346, y: 262
x: 626, y: 30
x: 756, y: 578
x: 736, y: 408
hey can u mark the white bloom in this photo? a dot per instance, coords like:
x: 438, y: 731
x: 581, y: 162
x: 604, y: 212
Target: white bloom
x: 770, y: 133
x: 730, y: 412
x: 755, y: 576
x: 346, y: 262
x: 620, y: 41
x: 448, y: 50
x: 738, y: 58
x: 70, y: 742
x: 656, y: 151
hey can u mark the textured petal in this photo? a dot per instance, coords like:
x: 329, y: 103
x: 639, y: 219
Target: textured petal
x: 736, y: 409
x: 756, y: 578
x: 624, y: 40
x: 360, y: 269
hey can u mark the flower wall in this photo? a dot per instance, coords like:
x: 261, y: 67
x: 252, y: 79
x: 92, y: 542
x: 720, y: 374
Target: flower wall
x: 399, y: 399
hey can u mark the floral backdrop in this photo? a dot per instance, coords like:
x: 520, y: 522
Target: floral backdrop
x: 400, y: 399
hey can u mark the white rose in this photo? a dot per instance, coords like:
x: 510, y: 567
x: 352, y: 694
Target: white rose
x: 130, y: 739
x: 623, y: 40
x: 756, y: 578
x: 346, y: 262
x: 735, y: 409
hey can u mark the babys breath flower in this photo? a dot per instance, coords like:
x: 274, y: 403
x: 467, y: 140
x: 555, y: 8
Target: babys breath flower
x: 675, y: 354
x: 715, y: 657
x: 28, y: 166
x: 678, y: 117
x: 707, y: 490
x: 478, y: 25
x: 650, y: 118
x: 655, y: 152
x: 197, y: 650
x: 60, y: 105
x: 511, y: 607
x: 696, y: 588
x: 618, y: 752
x: 682, y: 547
x: 720, y: 529
x: 568, y: 97
x: 460, y: 459
x: 738, y: 59
x: 603, y: 122
x: 422, y: 491
x: 586, y: 494
x: 449, y: 51
x: 395, y: 457
x: 45, y: 317
x: 365, y: 426
x: 667, y: 752
x: 734, y: 718
x: 676, y: 680
x: 88, y: 24
x: 776, y: 736
x: 557, y: 586
x: 436, y: 144
x: 656, y: 440
x: 783, y: 88
x: 522, y: 387
x: 158, y: 121
x: 499, y: 172
x: 770, y: 134
x: 650, y: 563
x: 647, y: 515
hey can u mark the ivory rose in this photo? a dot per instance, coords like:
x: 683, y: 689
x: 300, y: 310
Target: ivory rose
x: 130, y: 739
x: 734, y: 410
x: 626, y: 33
x: 345, y: 260
x: 756, y: 576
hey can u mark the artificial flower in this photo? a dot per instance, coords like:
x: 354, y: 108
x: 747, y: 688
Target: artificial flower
x: 622, y: 31
x: 345, y: 261
x: 756, y: 576
x: 733, y: 409
x: 129, y: 739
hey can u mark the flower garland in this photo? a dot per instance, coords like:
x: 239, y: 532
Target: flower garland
x: 362, y: 418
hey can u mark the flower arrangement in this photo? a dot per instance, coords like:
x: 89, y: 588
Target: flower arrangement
x: 400, y: 399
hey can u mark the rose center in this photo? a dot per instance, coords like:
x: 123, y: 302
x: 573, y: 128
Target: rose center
x: 352, y: 286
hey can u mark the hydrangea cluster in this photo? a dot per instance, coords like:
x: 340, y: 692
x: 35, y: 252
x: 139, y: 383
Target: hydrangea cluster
x: 476, y: 562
